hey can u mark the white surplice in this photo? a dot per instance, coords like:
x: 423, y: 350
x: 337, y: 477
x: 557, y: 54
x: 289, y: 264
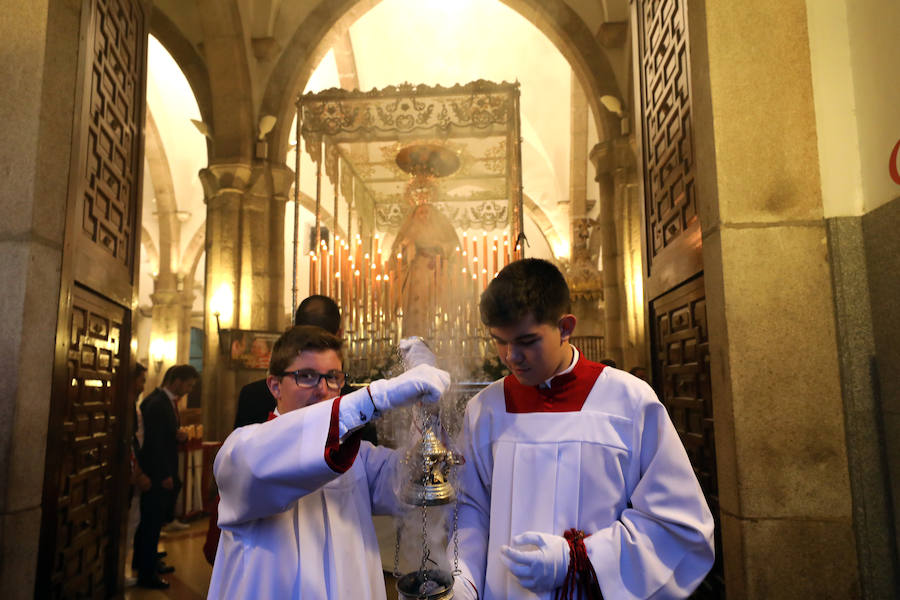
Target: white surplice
x: 615, y: 469
x: 292, y: 527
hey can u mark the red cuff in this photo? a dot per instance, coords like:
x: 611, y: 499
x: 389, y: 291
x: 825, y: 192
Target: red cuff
x: 340, y: 456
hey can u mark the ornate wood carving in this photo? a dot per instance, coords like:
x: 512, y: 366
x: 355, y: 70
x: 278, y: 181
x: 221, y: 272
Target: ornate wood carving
x: 112, y: 121
x: 681, y: 370
x: 668, y: 147
x: 89, y: 433
x: 84, y: 503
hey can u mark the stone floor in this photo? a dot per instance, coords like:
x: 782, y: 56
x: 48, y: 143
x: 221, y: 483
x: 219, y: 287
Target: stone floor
x: 190, y: 581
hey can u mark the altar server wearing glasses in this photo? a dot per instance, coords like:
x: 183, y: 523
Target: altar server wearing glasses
x: 298, y: 492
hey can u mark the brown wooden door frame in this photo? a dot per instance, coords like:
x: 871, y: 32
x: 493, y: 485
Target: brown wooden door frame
x: 83, y: 272
x: 672, y: 248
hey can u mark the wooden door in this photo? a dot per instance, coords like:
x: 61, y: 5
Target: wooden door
x: 84, y: 505
x: 680, y: 348
x: 673, y: 245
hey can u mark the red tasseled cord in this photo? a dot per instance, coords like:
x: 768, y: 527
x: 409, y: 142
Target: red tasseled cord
x: 581, y: 580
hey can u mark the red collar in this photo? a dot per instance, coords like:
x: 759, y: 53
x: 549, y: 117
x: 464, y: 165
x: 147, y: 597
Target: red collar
x: 272, y: 415
x: 567, y: 394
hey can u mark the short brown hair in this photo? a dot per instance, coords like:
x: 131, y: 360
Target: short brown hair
x: 530, y: 286
x: 180, y: 373
x: 299, y: 339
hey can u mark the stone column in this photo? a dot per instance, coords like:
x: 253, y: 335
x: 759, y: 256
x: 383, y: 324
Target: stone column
x: 584, y: 278
x: 244, y: 273
x: 40, y: 44
x: 784, y: 492
x: 171, y: 322
x: 619, y: 225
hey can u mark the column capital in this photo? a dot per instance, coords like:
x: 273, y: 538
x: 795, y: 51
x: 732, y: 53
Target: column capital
x: 277, y: 186
x: 611, y: 156
x: 165, y: 298
x: 224, y: 178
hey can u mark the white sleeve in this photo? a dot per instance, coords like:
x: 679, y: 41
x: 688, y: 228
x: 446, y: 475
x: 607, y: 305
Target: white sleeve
x: 381, y: 470
x: 662, y: 544
x: 262, y: 469
x: 474, y: 505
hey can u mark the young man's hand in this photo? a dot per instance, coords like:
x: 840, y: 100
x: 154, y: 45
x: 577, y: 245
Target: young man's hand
x: 424, y: 382
x: 540, y: 570
x: 416, y: 352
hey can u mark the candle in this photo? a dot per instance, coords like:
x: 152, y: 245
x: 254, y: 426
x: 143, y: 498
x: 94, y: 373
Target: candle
x: 336, y: 269
x: 338, y: 289
x: 505, y: 249
x: 484, y: 250
x: 356, y: 298
x: 376, y: 296
x: 389, y: 301
x: 475, y: 288
x: 312, y: 273
x: 495, y: 268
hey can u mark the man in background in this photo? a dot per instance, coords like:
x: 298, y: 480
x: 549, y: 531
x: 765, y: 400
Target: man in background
x: 158, y: 459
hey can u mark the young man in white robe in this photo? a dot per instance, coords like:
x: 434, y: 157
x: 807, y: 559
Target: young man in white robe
x: 575, y: 480
x: 298, y: 492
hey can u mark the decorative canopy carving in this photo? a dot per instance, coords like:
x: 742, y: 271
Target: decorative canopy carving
x: 476, y: 123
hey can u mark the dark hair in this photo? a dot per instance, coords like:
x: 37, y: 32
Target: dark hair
x: 138, y: 370
x: 609, y: 363
x: 180, y: 373
x: 530, y: 286
x: 298, y: 339
x: 320, y: 311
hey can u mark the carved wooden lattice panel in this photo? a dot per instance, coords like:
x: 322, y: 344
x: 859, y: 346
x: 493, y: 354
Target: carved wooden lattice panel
x: 88, y: 447
x: 85, y: 481
x: 667, y: 134
x: 113, y: 113
x: 681, y: 366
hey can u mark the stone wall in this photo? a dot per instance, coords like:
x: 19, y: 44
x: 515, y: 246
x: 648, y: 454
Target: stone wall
x: 39, y: 42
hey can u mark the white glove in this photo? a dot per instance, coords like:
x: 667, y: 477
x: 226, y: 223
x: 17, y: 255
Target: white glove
x: 424, y: 382
x: 416, y: 352
x: 540, y: 570
x: 463, y: 589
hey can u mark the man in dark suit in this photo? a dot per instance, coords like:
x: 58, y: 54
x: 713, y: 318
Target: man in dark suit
x: 158, y: 459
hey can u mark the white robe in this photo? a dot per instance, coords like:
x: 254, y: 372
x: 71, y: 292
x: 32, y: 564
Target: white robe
x: 616, y: 470
x: 291, y: 526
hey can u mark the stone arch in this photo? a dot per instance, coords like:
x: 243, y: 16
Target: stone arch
x: 540, y: 218
x: 554, y: 18
x: 164, y: 192
x: 150, y: 247
x: 193, y: 252
x: 188, y: 59
x: 220, y: 78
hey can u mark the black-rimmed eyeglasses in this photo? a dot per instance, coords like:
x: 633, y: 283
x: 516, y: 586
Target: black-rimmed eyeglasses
x: 310, y: 378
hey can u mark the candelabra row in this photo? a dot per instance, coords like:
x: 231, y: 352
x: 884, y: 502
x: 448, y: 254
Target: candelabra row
x: 383, y: 298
